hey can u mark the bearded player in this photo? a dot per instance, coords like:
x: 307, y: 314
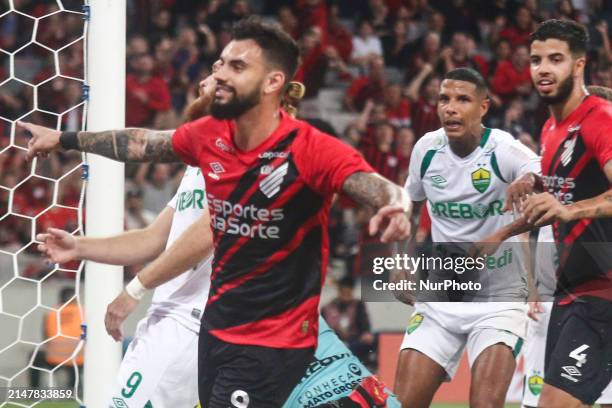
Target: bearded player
x: 576, y: 174
x: 270, y: 181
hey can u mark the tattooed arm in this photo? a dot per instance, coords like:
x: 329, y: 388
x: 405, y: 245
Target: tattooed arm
x: 391, y: 201
x: 130, y: 145
x: 126, y: 145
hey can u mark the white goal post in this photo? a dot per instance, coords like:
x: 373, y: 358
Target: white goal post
x: 105, y: 75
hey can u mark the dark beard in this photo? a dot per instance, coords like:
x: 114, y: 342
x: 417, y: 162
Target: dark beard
x: 236, y: 105
x: 564, y: 92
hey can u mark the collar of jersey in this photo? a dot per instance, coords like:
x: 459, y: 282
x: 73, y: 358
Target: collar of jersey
x: 269, y: 142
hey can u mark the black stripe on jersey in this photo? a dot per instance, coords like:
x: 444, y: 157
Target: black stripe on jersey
x: 579, y: 150
x: 283, y: 287
x: 554, y: 162
x: 246, y: 182
x: 303, y: 205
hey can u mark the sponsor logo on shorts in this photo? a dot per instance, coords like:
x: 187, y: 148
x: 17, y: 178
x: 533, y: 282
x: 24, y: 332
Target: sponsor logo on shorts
x: 535, y: 383
x: 414, y: 323
x: 481, y: 179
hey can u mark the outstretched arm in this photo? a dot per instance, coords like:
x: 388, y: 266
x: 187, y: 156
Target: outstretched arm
x: 128, y: 248
x: 391, y: 201
x: 126, y: 145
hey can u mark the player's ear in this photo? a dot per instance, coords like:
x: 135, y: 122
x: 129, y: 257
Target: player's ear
x: 485, y: 103
x: 579, y: 65
x: 274, y: 82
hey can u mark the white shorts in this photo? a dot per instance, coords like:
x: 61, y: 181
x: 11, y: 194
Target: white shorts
x: 535, y: 347
x: 442, y: 331
x: 159, y: 367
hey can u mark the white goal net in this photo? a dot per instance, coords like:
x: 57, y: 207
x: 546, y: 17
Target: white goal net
x: 43, y: 81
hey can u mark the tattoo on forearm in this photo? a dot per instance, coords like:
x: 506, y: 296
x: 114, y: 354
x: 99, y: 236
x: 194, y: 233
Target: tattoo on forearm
x: 130, y: 145
x: 371, y: 189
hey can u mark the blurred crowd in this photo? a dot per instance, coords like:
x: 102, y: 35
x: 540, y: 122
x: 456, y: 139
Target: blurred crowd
x: 377, y: 64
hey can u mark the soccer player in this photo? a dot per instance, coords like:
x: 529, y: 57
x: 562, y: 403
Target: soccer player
x: 463, y: 170
x: 547, y: 262
x: 576, y: 174
x: 159, y: 366
x: 270, y: 181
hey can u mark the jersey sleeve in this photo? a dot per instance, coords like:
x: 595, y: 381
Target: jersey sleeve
x: 326, y: 163
x: 596, y: 130
x: 183, y: 143
x: 514, y: 159
x: 172, y: 202
x: 414, y: 181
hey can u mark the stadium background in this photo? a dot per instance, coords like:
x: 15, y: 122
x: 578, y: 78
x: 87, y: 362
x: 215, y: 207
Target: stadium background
x: 371, y: 70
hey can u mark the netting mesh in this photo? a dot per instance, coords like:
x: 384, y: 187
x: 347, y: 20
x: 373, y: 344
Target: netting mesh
x: 42, y: 80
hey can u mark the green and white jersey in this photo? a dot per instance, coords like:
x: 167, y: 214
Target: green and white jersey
x: 465, y: 197
x: 183, y: 298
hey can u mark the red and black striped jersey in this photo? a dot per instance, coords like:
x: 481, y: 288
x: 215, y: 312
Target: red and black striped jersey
x: 269, y: 208
x: 574, y: 152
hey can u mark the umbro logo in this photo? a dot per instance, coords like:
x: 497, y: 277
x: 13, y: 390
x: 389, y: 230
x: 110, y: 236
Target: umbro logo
x: 570, y: 373
x: 217, y: 168
x: 271, y: 184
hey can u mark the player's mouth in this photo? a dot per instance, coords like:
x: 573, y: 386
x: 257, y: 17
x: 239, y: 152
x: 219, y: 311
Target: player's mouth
x: 545, y: 85
x: 452, y: 125
x: 221, y: 90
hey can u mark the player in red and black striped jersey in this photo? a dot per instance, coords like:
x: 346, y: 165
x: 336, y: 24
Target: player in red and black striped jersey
x: 270, y: 181
x: 576, y: 177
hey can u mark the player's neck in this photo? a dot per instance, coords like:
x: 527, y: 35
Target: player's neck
x: 467, y: 144
x: 255, y: 126
x: 562, y: 110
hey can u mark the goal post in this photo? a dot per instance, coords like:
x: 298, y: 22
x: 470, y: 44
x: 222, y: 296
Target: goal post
x: 105, y: 75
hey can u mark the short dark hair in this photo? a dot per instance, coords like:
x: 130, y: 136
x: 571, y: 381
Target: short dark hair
x: 468, y: 75
x: 574, y: 34
x: 278, y: 47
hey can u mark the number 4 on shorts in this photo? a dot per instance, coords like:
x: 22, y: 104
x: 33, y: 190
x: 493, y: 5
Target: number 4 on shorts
x: 580, y: 358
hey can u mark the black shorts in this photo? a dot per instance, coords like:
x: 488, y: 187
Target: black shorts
x: 241, y: 376
x: 578, y: 356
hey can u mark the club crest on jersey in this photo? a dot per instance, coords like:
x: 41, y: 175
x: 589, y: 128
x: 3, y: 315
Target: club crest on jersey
x: 271, y: 184
x: 566, y: 156
x: 481, y: 179
x: 535, y: 383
